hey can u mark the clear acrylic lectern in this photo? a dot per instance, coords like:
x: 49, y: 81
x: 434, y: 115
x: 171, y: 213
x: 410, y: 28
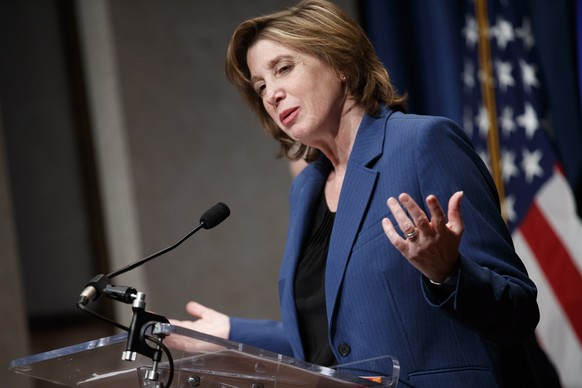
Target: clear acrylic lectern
x: 203, y: 361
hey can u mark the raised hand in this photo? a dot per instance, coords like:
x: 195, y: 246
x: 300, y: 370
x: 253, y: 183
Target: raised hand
x: 430, y: 245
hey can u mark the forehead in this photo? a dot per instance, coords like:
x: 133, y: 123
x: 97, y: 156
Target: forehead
x: 265, y: 53
x: 265, y: 44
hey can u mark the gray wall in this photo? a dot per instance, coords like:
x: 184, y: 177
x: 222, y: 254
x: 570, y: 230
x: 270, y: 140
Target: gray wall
x: 14, y: 339
x: 192, y: 143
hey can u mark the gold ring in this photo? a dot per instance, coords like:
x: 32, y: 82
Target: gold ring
x: 412, y: 234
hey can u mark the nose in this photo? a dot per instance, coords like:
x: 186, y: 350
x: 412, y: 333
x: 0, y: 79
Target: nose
x: 274, y: 95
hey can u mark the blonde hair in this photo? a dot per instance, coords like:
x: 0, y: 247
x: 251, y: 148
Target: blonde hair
x: 323, y: 30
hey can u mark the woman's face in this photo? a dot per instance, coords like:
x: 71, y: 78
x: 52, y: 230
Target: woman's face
x: 302, y: 94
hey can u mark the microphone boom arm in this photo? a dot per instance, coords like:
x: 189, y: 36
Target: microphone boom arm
x: 153, y: 256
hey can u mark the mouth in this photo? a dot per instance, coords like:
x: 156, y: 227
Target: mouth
x: 288, y: 115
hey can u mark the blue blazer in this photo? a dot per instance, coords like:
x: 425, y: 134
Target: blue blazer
x: 377, y: 303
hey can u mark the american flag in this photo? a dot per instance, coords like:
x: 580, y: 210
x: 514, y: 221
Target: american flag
x: 508, y: 119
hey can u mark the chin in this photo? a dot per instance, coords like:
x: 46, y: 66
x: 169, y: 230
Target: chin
x: 294, y: 135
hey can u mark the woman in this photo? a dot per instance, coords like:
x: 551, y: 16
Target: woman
x: 373, y: 264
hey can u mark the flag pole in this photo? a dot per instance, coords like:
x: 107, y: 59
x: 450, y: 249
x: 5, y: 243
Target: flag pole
x: 488, y: 93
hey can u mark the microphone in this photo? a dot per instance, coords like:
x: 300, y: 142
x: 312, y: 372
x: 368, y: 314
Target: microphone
x: 214, y: 216
x: 98, y: 284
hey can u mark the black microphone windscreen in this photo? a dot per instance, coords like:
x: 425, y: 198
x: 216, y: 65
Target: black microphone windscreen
x: 214, y: 216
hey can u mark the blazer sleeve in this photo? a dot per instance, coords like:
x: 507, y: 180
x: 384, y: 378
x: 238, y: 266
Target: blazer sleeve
x: 261, y: 333
x: 493, y: 293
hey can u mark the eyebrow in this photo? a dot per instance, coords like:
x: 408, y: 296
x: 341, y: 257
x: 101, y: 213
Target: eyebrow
x: 272, y: 64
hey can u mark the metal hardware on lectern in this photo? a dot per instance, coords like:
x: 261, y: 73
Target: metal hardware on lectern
x: 142, y: 326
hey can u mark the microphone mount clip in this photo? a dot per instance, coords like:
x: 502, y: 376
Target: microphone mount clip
x: 141, y: 330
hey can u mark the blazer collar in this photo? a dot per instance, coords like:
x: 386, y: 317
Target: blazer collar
x: 369, y: 141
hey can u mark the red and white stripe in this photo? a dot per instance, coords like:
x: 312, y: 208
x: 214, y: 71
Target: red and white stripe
x: 549, y: 241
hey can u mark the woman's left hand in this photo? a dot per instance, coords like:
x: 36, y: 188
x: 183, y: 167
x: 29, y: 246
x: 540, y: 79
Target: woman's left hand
x: 430, y: 245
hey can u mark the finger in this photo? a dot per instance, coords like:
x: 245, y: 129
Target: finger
x: 437, y: 215
x: 196, y: 309
x: 455, y: 223
x: 392, y: 234
x: 418, y: 216
x: 404, y: 222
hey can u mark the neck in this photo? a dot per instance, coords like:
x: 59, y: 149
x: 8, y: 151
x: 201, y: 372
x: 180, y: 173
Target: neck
x: 339, y: 147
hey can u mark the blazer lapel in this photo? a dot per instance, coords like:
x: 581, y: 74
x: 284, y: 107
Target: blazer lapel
x: 357, y: 191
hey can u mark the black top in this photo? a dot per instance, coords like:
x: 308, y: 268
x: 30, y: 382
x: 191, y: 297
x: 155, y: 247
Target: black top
x: 310, y: 289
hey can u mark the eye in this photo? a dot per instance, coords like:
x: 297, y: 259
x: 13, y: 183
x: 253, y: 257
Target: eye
x: 260, y: 88
x: 283, y: 67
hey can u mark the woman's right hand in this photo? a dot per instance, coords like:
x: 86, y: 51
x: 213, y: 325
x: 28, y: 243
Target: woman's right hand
x: 206, y: 321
